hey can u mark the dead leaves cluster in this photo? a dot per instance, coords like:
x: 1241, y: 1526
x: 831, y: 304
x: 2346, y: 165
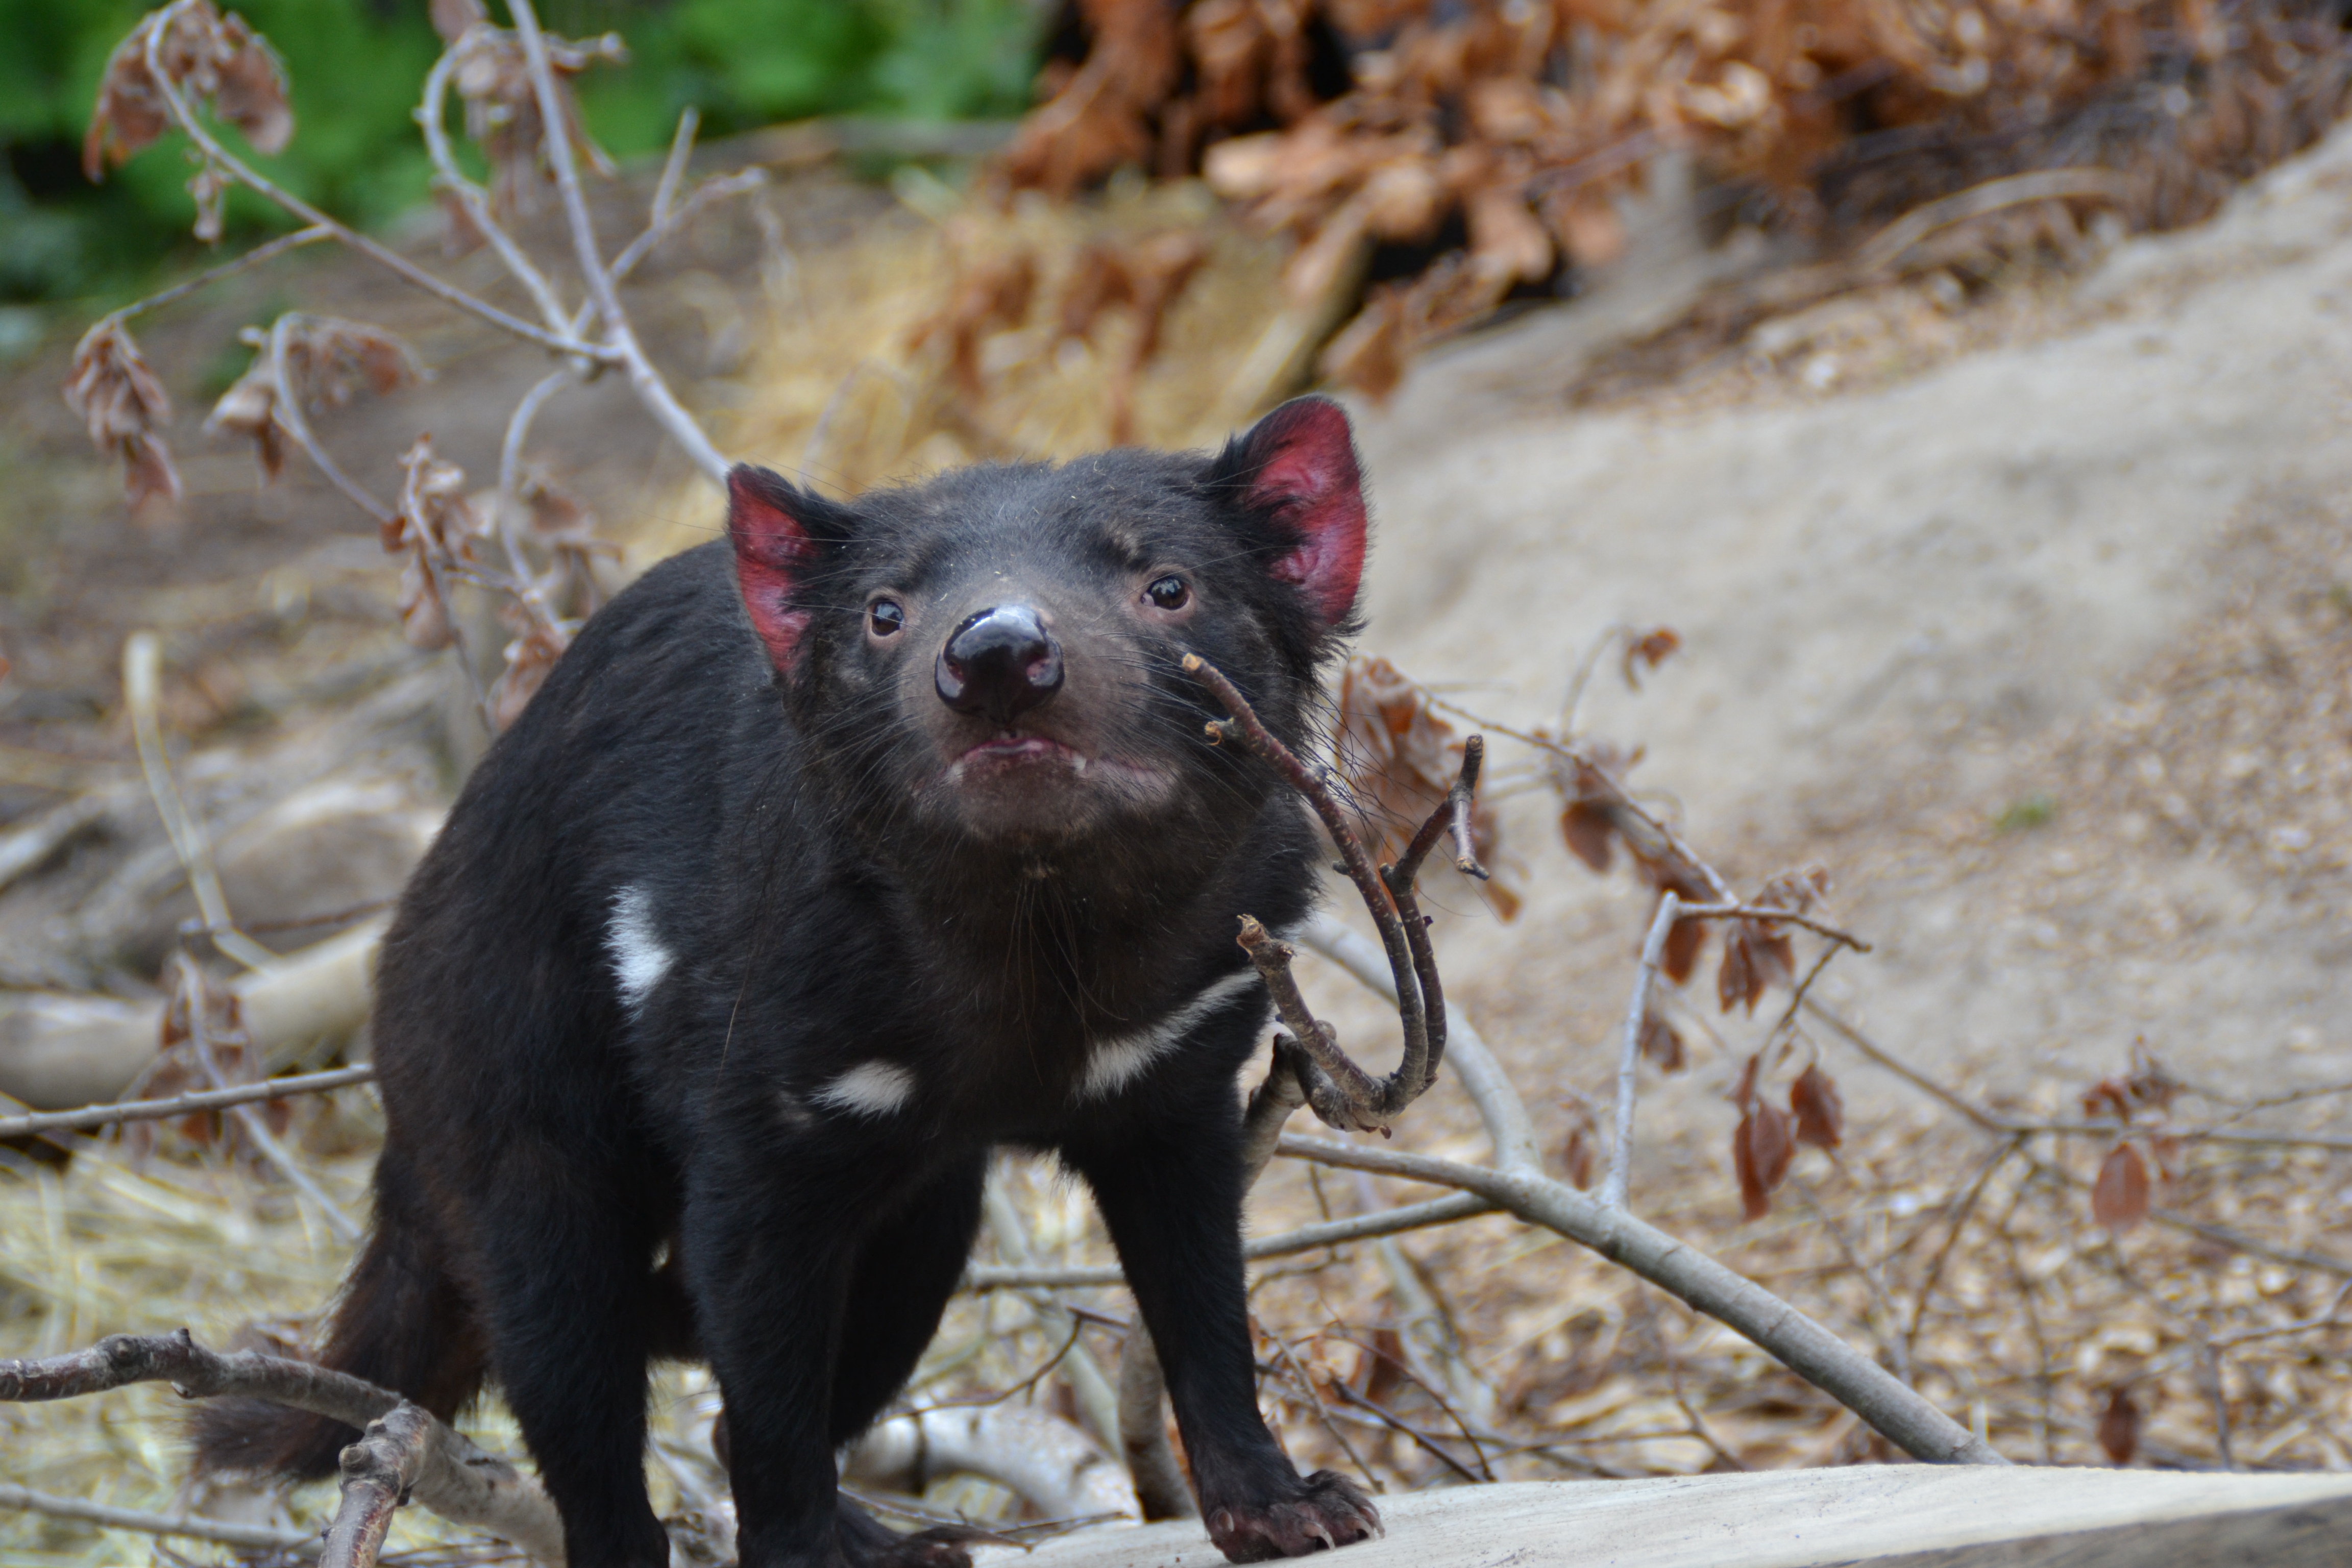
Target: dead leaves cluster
x: 1493, y: 137
x: 306, y: 363
x: 1399, y: 758
x: 995, y: 288
x: 126, y: 409
x: 2121, y: 1193
x: 1765, y: 1143
x: 492, y: 77
x: 201, y: 55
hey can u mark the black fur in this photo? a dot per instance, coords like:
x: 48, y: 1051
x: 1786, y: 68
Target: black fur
x: 785, y: 822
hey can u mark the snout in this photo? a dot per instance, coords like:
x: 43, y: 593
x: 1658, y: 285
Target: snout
x: 1000, y: 663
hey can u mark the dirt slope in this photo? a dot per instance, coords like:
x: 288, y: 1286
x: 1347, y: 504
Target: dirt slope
x: 2010, y: 640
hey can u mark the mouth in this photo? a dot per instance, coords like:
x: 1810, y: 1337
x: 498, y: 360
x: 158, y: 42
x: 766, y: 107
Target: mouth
x: 1015, y: 754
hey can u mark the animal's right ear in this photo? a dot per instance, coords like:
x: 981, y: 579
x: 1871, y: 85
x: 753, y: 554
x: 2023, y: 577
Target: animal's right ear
x: 780, y: 533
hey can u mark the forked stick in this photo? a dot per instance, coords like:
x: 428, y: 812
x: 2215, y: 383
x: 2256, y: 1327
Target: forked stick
x: 1342, y: 1093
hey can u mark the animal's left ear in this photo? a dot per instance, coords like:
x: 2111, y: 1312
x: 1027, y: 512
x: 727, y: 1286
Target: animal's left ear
x: 1298, y: 463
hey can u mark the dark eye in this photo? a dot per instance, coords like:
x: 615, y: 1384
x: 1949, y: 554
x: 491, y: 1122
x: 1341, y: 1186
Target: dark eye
x: 885, y: 618
x: 1170, y: 592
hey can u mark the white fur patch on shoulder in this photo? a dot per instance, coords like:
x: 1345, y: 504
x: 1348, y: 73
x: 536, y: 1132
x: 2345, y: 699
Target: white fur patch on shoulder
x: 869, y: 1088
x: 639, y: 958
x: 1118, y: 1060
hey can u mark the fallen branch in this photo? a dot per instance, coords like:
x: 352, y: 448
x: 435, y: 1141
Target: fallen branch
x: 454, y: 1479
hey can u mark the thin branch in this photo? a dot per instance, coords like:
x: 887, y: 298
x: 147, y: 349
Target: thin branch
x: 1951, y: 1239
x: 269, y: 251
x: 90, y: 1115
x: 1629, y: 1055
x: 392, y: 260
x: 194, y: 999
x: 1305, y: 1385
x: 1898, y: 1348
x: 1766, y: 914
x: 459, y: 1482
x: 141, y: 693
x: 253, y: 1537
x: 652, y: 391
x: 1611, y: 636
x: 681, y: 147
x: 718, y: 188
x: 1283, y: 1243
x: 287, y: 409
x: 432, y: 119
x: 1342, y: 1093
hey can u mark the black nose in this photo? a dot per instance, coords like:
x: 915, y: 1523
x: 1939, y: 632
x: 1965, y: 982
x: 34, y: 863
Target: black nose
x: 1000, y: 662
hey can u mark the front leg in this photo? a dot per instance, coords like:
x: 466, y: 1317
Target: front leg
x: 772, y: 1245
x: 1170, y: 1192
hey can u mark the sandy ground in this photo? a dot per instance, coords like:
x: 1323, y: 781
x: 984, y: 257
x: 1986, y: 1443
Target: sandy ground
x: 1960, y: 623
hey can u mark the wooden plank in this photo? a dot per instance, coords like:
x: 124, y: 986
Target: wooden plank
x: 1887, y: 1516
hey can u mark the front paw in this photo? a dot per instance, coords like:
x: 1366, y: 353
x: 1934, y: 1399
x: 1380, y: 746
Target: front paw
x: 1327, y: 1509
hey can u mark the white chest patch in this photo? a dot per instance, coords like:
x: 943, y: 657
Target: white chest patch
x: 1119, y: 1061
x: 639, y: 958
x: 869, y: 1088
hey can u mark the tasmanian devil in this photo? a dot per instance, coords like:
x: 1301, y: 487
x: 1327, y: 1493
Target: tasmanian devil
x: 831, y: 855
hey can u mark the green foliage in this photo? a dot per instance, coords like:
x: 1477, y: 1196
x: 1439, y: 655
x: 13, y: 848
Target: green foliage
x: 354, y: 69
x: 2027, y: 812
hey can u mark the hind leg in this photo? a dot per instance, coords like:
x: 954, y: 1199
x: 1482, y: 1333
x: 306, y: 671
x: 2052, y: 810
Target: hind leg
x: 564, y: 1256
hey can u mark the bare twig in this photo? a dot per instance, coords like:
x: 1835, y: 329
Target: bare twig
x: 681, y: 147
x: 90, y: 1115
x: 1283, y: 1243
x: 621, y: 339
x: 458, y: 1481
x: 431, y: 118
x: 142, y: 692
x: 268, y: 250
x: 378, y: 1471
x: 1629, y: 1056
x: 1959, y: 1222
x: 253, y: 1537
x: 194, y: 1000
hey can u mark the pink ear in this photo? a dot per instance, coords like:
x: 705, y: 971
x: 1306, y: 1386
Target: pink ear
x: 1304, y: 456
x: 773, y: 550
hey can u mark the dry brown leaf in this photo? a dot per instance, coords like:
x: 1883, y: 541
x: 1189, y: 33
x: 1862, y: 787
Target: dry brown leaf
x: 1761, y: 1150
x: 1399, y: 759
x: 1819, y: 1109
x: 2119, y: 1196
x: 1661, y: 1044
x: 528, y: 660
x: 1579, y: 1149
x: 2119, y: 1427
